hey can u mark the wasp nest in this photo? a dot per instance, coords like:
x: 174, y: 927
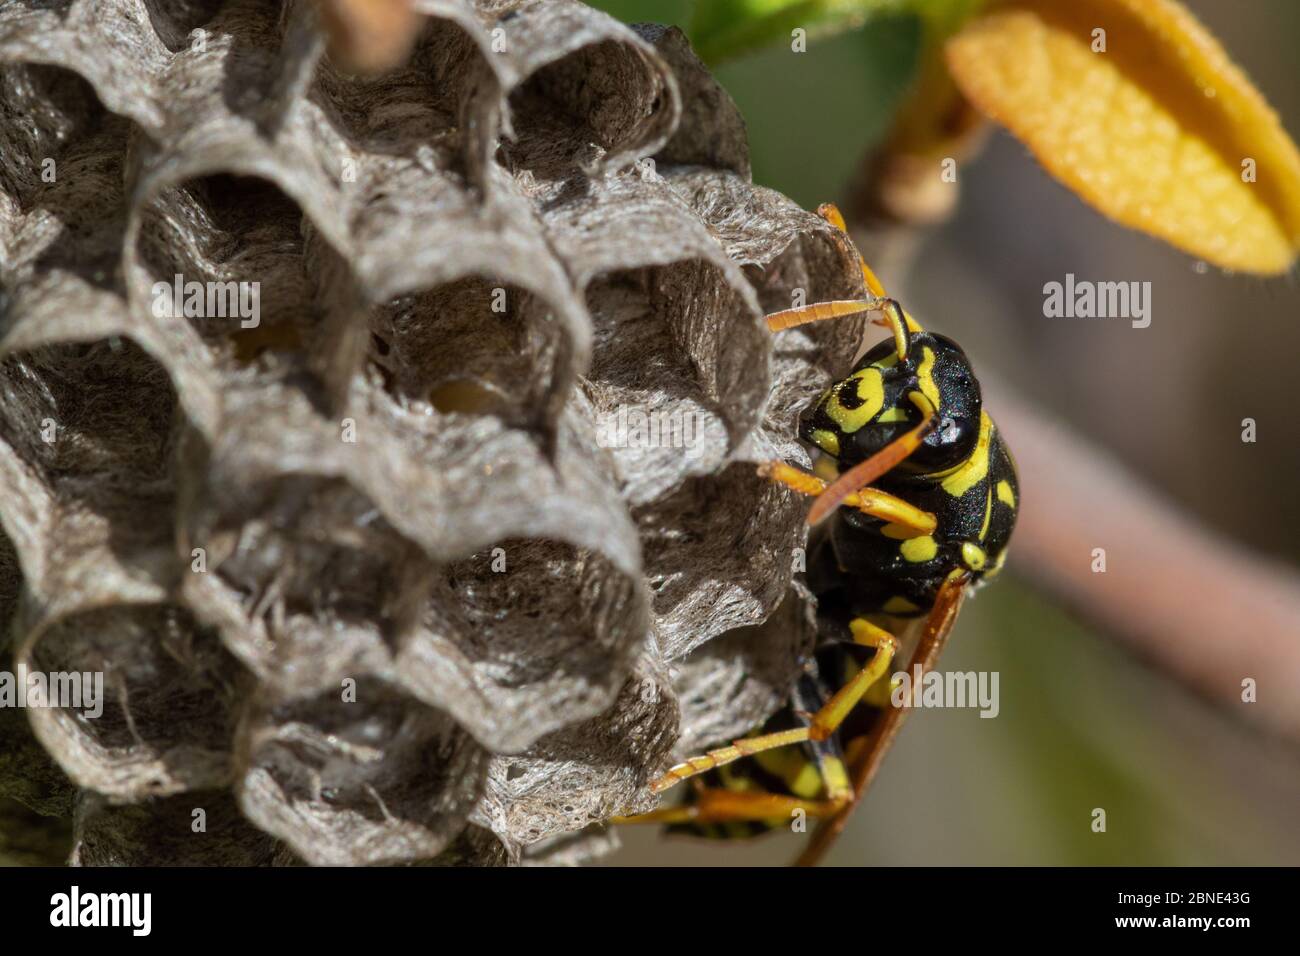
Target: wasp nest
x: 387, y: 445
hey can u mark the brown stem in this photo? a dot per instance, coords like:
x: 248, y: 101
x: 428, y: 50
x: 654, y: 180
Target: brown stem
x: 369, y: 36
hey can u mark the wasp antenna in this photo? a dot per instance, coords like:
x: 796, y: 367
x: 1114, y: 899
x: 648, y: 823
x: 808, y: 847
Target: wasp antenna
x: 898, y: 322
x: 869, y: 279
x: 818, y: 312
x: 831, y: 213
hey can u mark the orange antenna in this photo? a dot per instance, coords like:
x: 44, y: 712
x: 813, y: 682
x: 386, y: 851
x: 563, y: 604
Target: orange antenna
x: 818, y: 312
x: 898, y: 322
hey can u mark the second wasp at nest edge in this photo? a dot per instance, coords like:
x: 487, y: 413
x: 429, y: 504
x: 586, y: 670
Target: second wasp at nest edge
x: 917, y: 509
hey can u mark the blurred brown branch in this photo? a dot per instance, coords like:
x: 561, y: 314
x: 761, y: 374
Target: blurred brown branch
x: 1195, y: 604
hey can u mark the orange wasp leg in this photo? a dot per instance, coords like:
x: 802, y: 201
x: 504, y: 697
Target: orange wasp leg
x: 821, y: 726
x: 872, y: 501
x: 857, y: 478
x: 713, y: 805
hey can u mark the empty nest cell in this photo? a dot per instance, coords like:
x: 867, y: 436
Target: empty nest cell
x: 145, y: 699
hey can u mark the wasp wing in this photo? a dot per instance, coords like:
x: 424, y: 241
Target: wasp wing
x: 866, y: 752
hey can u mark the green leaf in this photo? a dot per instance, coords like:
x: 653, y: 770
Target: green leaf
x: 811, y: 118
x: 723, y: 29
x: 671, y: 12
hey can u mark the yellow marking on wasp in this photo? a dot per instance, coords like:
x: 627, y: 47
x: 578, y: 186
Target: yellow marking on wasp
x: 892, y: 414
x: 973, y: 556
x: 1005, y: 494
x: 808, y: 783
x: 988, y: 514
x: 848, y: 667
x: 925, y: 375
x: 918, y: 549
x: 870, y: 389
x: 880, y: 692
x: 900, y: 605
x: 794, y: 768
x: 975, y: 468
x: 947, y: 471
x: 826, y: 440
x: 889, y: 361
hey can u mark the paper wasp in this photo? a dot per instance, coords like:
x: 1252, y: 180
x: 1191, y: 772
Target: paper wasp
x: 921, y: 509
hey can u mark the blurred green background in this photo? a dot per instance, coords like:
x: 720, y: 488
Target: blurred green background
x: 1083, y: 724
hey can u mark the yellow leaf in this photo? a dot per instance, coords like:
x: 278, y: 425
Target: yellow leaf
x: 1159, y: 131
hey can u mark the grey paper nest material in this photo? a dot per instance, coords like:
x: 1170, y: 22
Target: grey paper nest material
x: 390, y: 576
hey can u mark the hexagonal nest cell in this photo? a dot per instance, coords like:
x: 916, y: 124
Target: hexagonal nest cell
x: 367, y: 567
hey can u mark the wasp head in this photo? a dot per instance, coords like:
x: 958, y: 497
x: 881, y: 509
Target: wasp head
x: 872, y: 407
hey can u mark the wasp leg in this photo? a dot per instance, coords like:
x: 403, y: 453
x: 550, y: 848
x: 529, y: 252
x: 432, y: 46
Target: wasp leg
x: 865, y: 472
x: 831, y: 213
x: 895, y: 318
x: 878, y: 504
x: 821, y: 725
x: 837, y: 709
x: 714, y: 805
x: 724, y: 755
